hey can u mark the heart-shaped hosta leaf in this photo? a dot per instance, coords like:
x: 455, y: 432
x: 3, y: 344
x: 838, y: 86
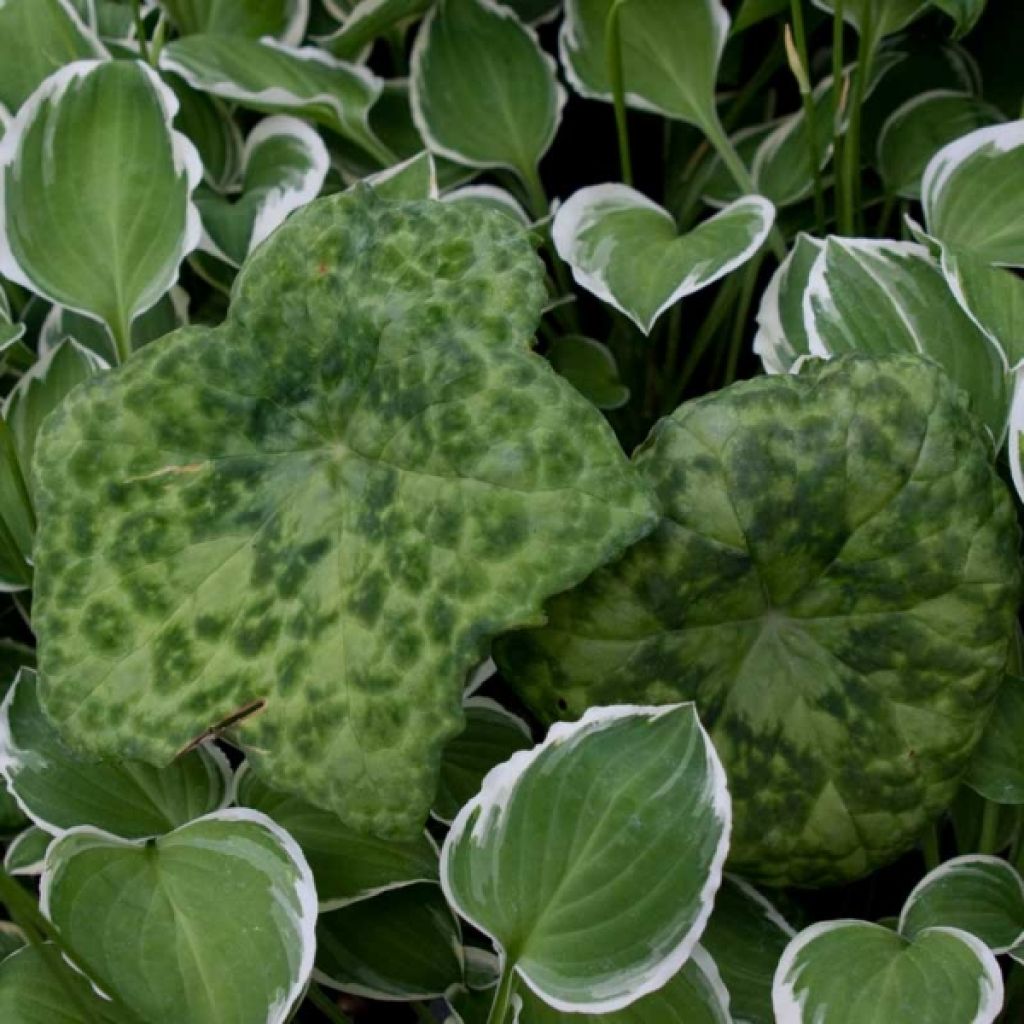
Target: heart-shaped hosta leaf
x: 694, y: 995
x: 59, y: 790
x: 593, y: 859
x: 347, y: 866
x: 210, y: 924
x: 402, y: 944
x: 492, y: 735
x: 670, y: 53
x: 283, y: 19
x: 38, y: 37
x: 284, y: 164
x: 972, y: 197
x: 323, y: 509
x: 79, y: 239
x: 996, y: 770
x: 977, y: 894
x: 628, y: 251
x: 834, y: 582
x: 26, y: 851
x: 483, y: 91
x: 853, y: 972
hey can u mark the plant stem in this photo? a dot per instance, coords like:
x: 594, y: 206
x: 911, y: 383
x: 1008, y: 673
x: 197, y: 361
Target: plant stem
x: 807, y: 99
x: 121, y: 333
x: 503, y: 994
x: 988, y: 841
x: 325, y: 1004
x: 837, y: 102
x: 613, y: 59
x: 930, y: 848
x: 739, y: 324
x: 140, y: 30
x: 851, y: 149
x: 423, y: 1013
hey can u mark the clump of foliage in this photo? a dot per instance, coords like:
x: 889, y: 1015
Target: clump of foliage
x: 509, y: 511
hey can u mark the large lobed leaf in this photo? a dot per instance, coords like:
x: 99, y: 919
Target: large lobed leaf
x: 322, y: 510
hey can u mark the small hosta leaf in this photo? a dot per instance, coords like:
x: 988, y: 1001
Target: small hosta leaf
x: 918, y: 129
x: 307, y: 523
x: 977, y: 894
x: 284, y: 164
x: 59, y: 790
x: 483, y: 91
x: 347, y: 866
x: 591, y: 368
x: 79, y: 240
x: 213, y: 132
x: 996, y: 770
x: 254, y: 19
x: 834, y: 582
x: 627, y: 250
x: 670, y: 54
x: 367, y: 21
x: 399, y: 945
x: 853, y: 972
x: 415, y: 178
x: 548, y: 833
x: 26, y: 852
x: 971, y: 194
x: 210, y: 924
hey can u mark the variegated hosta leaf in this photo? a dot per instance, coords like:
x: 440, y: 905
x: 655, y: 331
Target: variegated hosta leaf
x: 593, y: 859
x: 268, y: 76
x: 694, y: 995
x: 213, y: 132
x: 59, y: 790
x: 491, y: 197
x: 367, y: 21
x: 213, y: 922
x: 853, y: 972
x: 670, y: 54
x: 26, y: 851
x: 972, y: 197
x: 627, y: 250
x: 484, y: 93
x: 996, y: 770
x: 37, y: 38
x: 322, y: 510
x: 107, y: 243
x: 10, y: 332
x: 918, y: 129
x: 876, y: 18
x: 399, y: 945
x: 284, y: 164
x: 883, y: 297
x: 282, y: 19
x: 834, y: 582
x: 12, y: 938
x: 980, y: 895
x: 347, y: 866
x: 415, y: 178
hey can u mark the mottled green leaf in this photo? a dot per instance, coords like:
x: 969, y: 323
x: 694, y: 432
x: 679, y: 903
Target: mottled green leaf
x: 627, y: 250
x: 322, y: 510
x: 597, y: 810
x: 399, y: 945
x: 37, y: 38
x: 26, y: 851
x: 347, y: 866
x: 853, y: 972
x: 253, y: 19
x: 972, y: 197
x: 367, y: 21
x: 79, y: 239
x: 834, y: 582
x: 977, y: 894
x: 591, y: 368
x: 965, y: 13
x: 918, y: 129
x: 210, y: 924
x: 996, y: 770
x: 483, y: 91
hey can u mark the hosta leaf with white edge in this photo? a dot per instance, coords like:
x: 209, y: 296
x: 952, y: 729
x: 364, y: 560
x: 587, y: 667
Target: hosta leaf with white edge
x: 853, y: 972
x: 79, y: 240
x: 484, y: 671
x: 695, y: 994
x: 917, y: 130
x: 284, y: 165
x: 268, y: 76
x: 12, y: 938
x: 491, y: 197
x: 10, y: 332
x: 347, y: 866
x: 213, y: 132
x: 627, y: 250
x: 881, y: 297
x: 282, y: 19
x: 971, y: 194
x: 319, y: 512
x: 26, y: 852
x: 367, y: 21
x: 876, y: 18
x: 670, y: 54
x: 59, y: 790
x: 996, y: 770
x: 415, y: 178
x: 629, y: 804
x: 212, y: 923
x: 37, y: 38
x: 965, y: 13
x: 399, y: 945
x: 492, y: 735
x: 977, y: 894
x: 484, y: 93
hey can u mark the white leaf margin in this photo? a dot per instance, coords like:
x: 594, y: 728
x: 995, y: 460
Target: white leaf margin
x: 186, y: 159
x: 304, y: 921
x: 396, y: 170
x: 491, y: 194
x: 494, y: 796
x: 27, y: 870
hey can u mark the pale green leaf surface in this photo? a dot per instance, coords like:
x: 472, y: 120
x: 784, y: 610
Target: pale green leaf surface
x: 210, y: 924
x: 591, y: 368
x: 322, y: 510
x: 627, y: 250
x: 834, y: 582
x: 26, y: 851
x: 593, y: 859
x: 253, y: 19
x: 996, y: 770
